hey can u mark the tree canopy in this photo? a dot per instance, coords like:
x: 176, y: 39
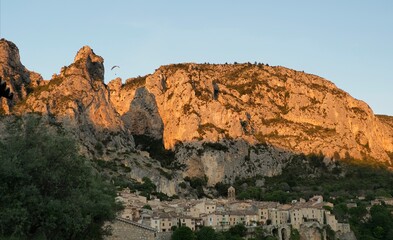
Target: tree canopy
x: 47, y: 190
x: 183, y: 233
x: 206, y: 233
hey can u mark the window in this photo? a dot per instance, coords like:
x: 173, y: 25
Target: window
x: 163, y: 224
x: 170, y: 224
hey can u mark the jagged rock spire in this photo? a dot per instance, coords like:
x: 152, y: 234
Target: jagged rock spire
x: 86, y: 63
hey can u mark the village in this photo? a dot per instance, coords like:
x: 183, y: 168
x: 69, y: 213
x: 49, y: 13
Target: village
x: 162, y: 217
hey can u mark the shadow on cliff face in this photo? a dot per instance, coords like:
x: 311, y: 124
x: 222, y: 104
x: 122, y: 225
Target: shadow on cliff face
x: 143, y: 117
x: 145, y: 124
x: 221, y: 161
x: 156, y: 150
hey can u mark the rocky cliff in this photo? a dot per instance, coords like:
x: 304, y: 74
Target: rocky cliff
x: 220, y: 121
x: 258, y: 103
x: 78, y: 99
x: 18, y: 78
x: 255, y: 115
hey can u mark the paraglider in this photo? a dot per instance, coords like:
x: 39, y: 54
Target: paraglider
x: 114, y: 67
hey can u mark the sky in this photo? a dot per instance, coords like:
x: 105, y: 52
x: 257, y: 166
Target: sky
x: 347, y: 42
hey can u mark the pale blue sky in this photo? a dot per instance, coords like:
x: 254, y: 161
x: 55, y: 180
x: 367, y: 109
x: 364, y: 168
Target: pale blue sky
x: 349, y: 42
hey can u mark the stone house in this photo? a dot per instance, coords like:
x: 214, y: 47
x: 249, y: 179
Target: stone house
x: 335, y: 225
x: 145, y: 216
x: 251, y: 218
x: 216, y: 219
x: 307, y: 212
x: 263, y: 210
x: 201, y: 207
x: 236, y: 217
x: 131, y: 213
x: 240, y: 205
x: 187, y: 221
x: 226, y: 219
x: 386, y: 200
x: 164, y: 221
x: 278, y: 217
x: 156, y: 223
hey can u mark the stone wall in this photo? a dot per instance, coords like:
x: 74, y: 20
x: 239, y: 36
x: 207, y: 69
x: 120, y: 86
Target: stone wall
x: 127, y: 230
x: 164, y: 236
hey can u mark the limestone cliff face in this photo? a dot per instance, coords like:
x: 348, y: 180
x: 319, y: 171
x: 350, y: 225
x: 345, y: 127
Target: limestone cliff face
x: 222, y: 121
x: 79, y: 88
x: 78, y: 98
x: 387, y: 128
x: 256, y: 115
x: 257, y: 103
x: 18, y: 78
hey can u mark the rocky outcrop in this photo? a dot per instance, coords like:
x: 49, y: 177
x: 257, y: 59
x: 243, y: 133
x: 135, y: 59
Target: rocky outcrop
x: 245, y: 106
x: 77, y: 91
x: 78, y: 100
x: 225, y: 160
x: 143, y: 117
x: 221, y: 121
x: 346, y: 236
x: 387, y: 128
x: 312, y: 231
x: 86, y: 64
x: 18, y: 78
x: 257, y: 103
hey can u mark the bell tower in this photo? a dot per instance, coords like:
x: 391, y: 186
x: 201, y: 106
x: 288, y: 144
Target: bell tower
x: 231, y: 193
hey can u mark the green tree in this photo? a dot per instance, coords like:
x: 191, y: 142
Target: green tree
x: 340, y: 211
x: 222, y: 189
x: 238, y: 230
x: 206, y: 233
x: 295, y: 235
x: 47, y: 190
x: 147, y: 206
x: 183, y: 233
x: 220, y: 236
x: 260, y: 233
x: 381, y: 221
x: 379, y: 232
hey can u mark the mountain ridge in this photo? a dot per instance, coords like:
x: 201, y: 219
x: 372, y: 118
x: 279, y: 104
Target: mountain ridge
x: 221, y: 121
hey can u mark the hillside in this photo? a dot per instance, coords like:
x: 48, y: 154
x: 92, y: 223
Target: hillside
x: 221, y: 121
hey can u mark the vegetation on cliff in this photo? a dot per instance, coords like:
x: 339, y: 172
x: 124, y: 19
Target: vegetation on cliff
x: 308, y: 175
